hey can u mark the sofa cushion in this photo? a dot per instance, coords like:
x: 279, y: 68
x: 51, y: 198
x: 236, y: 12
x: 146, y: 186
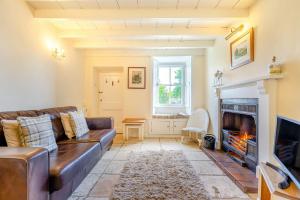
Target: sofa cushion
x: 107, y: 137
x: 98, y: 123
x: 66, y: 122
x: 69, y: 160
x: 13, y: 116
x: 12, y: 132
x: 37, y: 132
x: 104, y: 137
x: 78, y: 123
x: 56, y: 121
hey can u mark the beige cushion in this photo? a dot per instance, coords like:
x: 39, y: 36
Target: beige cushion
x: 66, y: 122
x: 12, y: 132
x: 78, y: 123
x: 38, y: 132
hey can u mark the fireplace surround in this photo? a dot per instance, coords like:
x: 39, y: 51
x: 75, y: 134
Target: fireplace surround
x: 264, y: 89
x: 239, y: 121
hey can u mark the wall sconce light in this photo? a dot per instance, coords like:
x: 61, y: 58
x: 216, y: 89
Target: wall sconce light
x: 58, y: 53
x: 234, y: 31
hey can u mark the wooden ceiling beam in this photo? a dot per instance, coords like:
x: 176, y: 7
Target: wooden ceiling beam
x: 127, y: 14
x: 144, y: 33
x: 94, y: 44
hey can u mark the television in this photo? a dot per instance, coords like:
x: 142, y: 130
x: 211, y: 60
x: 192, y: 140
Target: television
x: 287, y: 147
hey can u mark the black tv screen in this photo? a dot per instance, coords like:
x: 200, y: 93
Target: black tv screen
x: 287, y: 147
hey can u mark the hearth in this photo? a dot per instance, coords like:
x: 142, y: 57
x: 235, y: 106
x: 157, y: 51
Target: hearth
x: 239, y: 130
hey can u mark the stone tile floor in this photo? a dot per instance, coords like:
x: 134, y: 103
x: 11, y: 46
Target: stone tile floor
x: 99, y: 183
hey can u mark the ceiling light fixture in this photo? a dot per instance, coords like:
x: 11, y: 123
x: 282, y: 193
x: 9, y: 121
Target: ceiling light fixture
x: 233, y: 31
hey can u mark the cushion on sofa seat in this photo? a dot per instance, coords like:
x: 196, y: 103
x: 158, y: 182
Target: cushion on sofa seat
x: 71, y: 159
x: 78, y: 123
x: 12, y: 115
x: 37, y: 132
x: 105, y: 137
x: 12, y: 132
x: 56, y: 121
x: 66, y: 122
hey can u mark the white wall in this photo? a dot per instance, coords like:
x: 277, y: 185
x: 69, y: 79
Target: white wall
x: 277, y: 29
x: 27, y: 70
x: 70, y: 78
x: 132, y: 98
x: 216, y: 60
x: 198, y: 81
x: 137, y: 103
x: 30, y: 77
x: 277, y: 33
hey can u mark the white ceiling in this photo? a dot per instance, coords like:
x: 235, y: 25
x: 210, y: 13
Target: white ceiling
x: 142, y: 27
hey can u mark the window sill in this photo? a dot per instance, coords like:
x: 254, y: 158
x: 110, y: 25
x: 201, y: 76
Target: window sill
x: 170, y: 106
x: 170, y: 116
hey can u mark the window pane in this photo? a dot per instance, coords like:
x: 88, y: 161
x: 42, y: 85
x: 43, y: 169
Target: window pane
x: 164, y: 75
x: 176, y: 75
x: 164, y: 93
x: 176, y: 95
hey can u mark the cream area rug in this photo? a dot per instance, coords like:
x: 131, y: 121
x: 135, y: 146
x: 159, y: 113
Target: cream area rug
x: 159, y: 175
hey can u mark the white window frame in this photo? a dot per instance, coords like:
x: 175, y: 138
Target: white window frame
x: 185, y: 107
x: 182, y: 84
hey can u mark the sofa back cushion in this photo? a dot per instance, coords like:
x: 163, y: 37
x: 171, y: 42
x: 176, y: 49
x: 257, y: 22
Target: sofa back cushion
x: 78, y: 123
x: 38, y: 132
x: 13, y: 116
x: 56, y: 120
x: 66, y: 122
x: 12, y: 132
x: 53, y: 112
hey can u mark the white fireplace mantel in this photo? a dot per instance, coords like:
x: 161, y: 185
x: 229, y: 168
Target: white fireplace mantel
x: 249, y: 88
x: 249, y: 81
x: 263, y: 88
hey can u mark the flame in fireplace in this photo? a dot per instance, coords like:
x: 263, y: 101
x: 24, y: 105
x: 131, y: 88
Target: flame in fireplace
x: 246, y: 136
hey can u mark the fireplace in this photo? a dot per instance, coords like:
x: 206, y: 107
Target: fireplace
x: 240, y: 130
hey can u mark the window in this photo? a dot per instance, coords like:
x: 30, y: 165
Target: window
x: 171, y: 85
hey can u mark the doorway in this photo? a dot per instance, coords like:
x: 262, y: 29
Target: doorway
x: 110, y: 96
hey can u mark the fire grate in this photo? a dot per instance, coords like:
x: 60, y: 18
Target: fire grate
x: 239, y: 131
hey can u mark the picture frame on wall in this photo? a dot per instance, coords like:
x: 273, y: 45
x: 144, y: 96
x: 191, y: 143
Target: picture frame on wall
x: 242, y: 50
x: 136, y: 77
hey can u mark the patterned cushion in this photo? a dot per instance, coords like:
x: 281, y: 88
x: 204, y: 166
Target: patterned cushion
x: 12, y: 132
x: 78, y: 123
x: 38, y: 132
x: 66, y: 122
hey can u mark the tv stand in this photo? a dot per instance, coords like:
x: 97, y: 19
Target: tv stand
x: 269, y: 189
x: 286, y: 182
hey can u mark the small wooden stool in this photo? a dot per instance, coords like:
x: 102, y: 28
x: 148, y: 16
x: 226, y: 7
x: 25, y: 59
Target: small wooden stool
x: 133, y: 123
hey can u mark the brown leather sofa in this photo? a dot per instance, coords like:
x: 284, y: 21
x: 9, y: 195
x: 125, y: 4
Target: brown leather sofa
x: 36, y: 174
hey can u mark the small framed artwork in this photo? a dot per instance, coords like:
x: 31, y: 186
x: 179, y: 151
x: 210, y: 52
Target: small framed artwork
x: 136, y: 77
x: 242, y: 50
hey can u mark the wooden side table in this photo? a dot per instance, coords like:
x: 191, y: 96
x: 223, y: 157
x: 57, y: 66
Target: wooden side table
x: 268, y: 185
x: 133, y: 123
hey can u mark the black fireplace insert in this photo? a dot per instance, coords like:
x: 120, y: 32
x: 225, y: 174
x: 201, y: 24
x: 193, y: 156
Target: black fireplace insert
x: 240, y: 130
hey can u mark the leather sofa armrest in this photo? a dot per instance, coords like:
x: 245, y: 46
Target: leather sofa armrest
x: 99, y: 123
x: 24, y: 173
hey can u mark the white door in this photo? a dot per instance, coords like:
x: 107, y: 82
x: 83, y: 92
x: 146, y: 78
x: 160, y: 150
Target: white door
x: 110, y: 97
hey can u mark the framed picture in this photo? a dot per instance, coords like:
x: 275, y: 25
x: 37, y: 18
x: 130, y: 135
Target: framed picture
x: 136, y: 77
x: 242, y: 50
